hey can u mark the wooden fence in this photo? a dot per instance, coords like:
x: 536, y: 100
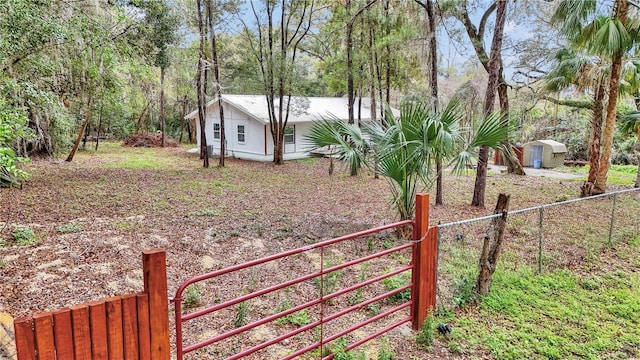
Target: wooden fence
x: 133, y: 326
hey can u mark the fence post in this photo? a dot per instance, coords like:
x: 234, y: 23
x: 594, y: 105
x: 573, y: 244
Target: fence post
x: 540, y: 235
x: 613, y: 213
x: 425, y: 256
x: 155, y: 286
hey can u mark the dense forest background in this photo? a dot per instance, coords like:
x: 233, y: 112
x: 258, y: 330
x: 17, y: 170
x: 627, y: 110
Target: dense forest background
x: 73, y: 70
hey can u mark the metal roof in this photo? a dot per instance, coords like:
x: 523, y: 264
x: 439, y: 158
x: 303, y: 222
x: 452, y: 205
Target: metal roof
x: 303, y: 109
x: 557, y: 147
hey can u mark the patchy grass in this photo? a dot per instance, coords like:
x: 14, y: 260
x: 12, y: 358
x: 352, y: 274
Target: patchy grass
x: 558, y: 315
x: 69, y: 228
x: 618, y: 174
x: 142, y: 158
x: 204, y: 212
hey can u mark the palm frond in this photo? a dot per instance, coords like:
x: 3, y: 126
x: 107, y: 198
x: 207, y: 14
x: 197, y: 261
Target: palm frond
x: 630, y: 123
x: 493, y: 130
x: 606, y: 36
x: 571, y: 14
x: 347, y: 139
x: 462, y: 162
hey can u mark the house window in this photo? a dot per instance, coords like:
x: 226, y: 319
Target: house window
x: 290, y: 135
x: 241, y: 133
x: 216, y: 131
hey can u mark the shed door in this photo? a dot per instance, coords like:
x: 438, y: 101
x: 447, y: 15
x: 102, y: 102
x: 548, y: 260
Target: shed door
x: 535, y: 154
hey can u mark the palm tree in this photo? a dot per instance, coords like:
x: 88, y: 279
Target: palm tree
x: 584, y: 72
x: 608, y: 37
x: 407, y: 147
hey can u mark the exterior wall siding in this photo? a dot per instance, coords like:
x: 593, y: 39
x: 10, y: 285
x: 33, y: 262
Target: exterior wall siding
x: 253, y: 147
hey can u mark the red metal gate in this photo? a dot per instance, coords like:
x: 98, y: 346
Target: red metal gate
x: 422, y: 287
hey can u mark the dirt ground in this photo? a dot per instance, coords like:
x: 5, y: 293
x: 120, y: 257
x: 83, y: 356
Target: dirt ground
x: 92, y: 219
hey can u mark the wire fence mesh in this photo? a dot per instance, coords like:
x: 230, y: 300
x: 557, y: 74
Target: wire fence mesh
x: 560, y: 235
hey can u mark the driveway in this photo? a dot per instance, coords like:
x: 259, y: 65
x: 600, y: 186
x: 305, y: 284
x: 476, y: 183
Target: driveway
x: 541, y: 172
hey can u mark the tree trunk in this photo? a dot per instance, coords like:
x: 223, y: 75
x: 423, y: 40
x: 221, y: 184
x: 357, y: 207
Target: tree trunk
x: 42, y: 145
x: 85, y: 136
x: 278, y: 150
x: 513, y: 164
x: 204, y: 154
x: 372, y: 93
x: 481, y: 177
x: 433, y: 54
x: 638, y: 175
x: 439, y: 182
x: 594, y: 140
x: 494, y: 66
x: 183, y: 122
x: 99, y: 125
x: 83, y: 127
x: 141, y: 117
x: 372, y: 72
x: 491, y: 247
x: 387, y: 31
x: 216, y: 78
x: 433, y: 84
x: 349, y: 44
x: 599, y: 187
x: 163, y: 122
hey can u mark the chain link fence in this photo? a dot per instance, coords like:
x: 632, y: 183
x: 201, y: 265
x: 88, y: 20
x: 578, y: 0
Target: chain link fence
x: 560, y: 235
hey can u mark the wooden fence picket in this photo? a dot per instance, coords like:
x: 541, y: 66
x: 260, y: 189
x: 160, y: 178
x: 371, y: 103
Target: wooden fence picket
x: 81, y: 334
x: 130, y: 327
x: 111, y: 329
x: 25, y: 339
x: 43, y: 328
x: 63, y: 333
x: 115, y: 328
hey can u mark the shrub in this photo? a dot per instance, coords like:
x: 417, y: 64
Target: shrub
x: 464, y: 293
x: 13, y: 126
x: 426, y: 335
x: 193, y: 296
x: 241, y: 315
x: 385, y: 353
x: 340, y: 353
x: 396, y: 282
x: 24, y: 236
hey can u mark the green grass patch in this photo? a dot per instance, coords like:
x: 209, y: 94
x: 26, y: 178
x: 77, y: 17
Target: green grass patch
x: 118, y: 157
x: 143, y: 160
x: 204, y: 212
x: 553, y: 316
x: 69, y: 228
x: 618, y: 174
x: 626, y: 169
x: 22, y: 236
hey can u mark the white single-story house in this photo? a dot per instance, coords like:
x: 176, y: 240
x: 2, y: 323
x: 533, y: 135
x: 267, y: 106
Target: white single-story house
x: 246, y: 122
x: 544, y: 153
